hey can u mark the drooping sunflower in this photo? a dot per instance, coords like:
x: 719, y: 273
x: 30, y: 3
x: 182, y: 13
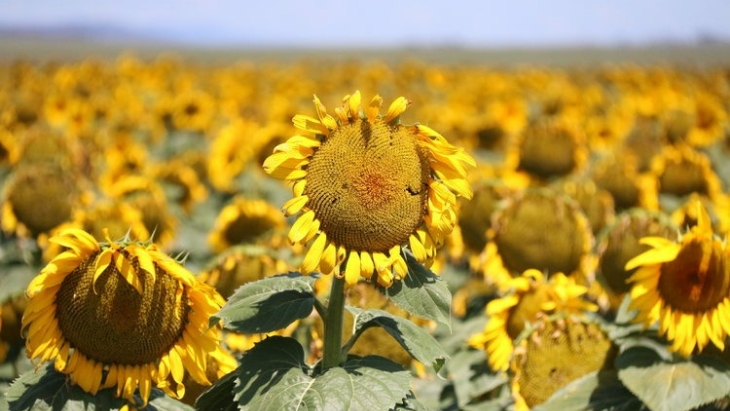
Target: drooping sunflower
x: 244, y: 221
x: 538, y: 228
x: 684, y: 287
x: 681, y: 170
x: 120, y: 314
x: 530, y: 296
x: 620, y: 242
x: 38, y: 197
x: 546, y: 149
x: 367, y: 186
x: 555, y: 352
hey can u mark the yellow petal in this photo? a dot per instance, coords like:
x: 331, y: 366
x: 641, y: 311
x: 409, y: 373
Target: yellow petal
x: 314, y: 255
x: 374, y: 108
x: 352, y: 270
x: 396, y: 108
x: 301, y: 226
x: 354, y: 104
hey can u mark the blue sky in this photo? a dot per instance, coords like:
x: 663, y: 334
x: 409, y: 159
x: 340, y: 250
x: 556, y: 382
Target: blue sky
x: 379, y: 23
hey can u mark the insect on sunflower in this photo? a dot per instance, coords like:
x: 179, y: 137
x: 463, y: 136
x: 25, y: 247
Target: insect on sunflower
x: 365, y: 186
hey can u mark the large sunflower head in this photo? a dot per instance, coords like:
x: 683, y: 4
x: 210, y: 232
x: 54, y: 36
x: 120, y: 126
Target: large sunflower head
x: 366, y: 186
x: 555, y: 352
x: 684, y: 286
x: 120, y: 314
x: 529, y: 296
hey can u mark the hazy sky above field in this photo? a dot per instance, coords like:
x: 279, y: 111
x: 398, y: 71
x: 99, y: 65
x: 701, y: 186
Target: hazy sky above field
x: 379, y: 23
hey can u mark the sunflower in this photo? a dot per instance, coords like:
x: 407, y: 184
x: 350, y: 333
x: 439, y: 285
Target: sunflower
x: 530, y: 296
x: 367, y: 186
x: 555, y: 352
x: 244, y: 221
x: 188, y: 189
x: 240, y: 265
x: 618, y: 173
x: 546, y: 149
x: 682, y: 170
x: 37, y: 198
x: 538, y: 228
x: 684, y: 286
x: 596, y: 203
x: 11, y: 313
x: 120, y: 314
x: 620, y: 242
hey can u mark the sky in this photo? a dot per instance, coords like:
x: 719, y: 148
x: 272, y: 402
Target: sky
x: 388, y: 23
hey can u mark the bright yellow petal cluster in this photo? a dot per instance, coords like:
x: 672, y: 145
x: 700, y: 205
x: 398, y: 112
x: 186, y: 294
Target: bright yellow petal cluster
x: 684, y: 294
x: 531, y: 295
x: 46, y: 341
x: 447, y: 180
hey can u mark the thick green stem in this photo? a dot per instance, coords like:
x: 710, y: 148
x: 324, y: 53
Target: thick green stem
x: 333, y: 324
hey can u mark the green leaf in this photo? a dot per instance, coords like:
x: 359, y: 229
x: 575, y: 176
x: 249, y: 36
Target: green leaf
x: 410, y: 403
x: 473, y: 379
x: 422, y: 293
x: 15, y: 279
x: 417, y: 341
x: 219, y: 396
x: 47, y: 389
x: 274, y: 376
x: 269, y: 304
x: 597, y: 391
x: 678, y: 385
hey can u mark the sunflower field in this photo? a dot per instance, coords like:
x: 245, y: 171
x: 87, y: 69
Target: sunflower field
x: 363, y: 235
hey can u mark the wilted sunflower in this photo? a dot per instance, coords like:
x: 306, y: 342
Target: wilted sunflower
x: 530, y: 296
x: 120, y: 314
x: 555, y: 352
x: 244, y: 221
x: 366, y: 186
x: 684, y: 286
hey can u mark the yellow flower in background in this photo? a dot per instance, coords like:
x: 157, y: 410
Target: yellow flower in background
x: 365, y: 186
x: 37, y: 198
x: 620, y: 242
x: 244, y: 221
x: 530, y: 296
x: 556, y: 352
x: 114, y: 217
x: 546, y: 149
x: 538, y: 228
x: 120, y: 315
x: 684, y: 287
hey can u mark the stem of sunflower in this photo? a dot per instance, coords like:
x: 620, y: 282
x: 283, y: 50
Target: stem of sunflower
x: 333, y: 324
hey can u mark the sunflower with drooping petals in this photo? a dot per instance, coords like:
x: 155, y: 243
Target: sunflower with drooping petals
x: 530, y: 296
x: 120, y: 314
x: 684, y: 287
x: 367, y: 186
